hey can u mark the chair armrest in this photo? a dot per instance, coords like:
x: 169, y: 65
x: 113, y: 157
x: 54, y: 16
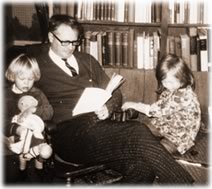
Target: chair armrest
x: 50, y: 127
x: 50, y: 130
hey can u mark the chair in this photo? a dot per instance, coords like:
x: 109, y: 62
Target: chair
x: 70, y: 173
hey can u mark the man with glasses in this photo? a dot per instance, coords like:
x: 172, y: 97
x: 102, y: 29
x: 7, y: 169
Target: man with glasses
x: 93, y: 138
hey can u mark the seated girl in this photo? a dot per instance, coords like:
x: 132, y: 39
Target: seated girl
x: 176, y: 116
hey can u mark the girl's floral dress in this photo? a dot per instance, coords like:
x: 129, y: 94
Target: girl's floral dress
x: 177, y: 116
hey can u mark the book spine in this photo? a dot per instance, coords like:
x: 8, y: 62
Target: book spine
x: 135, y: 59
x: 71, y: 9
x: 56, y: 8
x: 202, y: 33
x: 111, y: 48
x: 94, y: 45
x: 131, y: 48
x: 79, y: 10
x: 98, y: 10
x: 140, y: 50
x: 171, y: 12
x: 193, y: 48
x: 82, y: 47
x: 193, y: 12
x: 94, y: 10
x: 156, y: 48
x: 203, y: 54
x: 146, y: 52
x: 185, y: 45
x: 63, y: 8
x: 126, y: 12
x: 105, y: 49
x: 83, y: 10
x: 106, y: 10
x: 87, y: 41
x: 186, y: 12
x: 198, y: 54
x: 158, y: 12
x: 113, y: 14
x: 118, y: 49
x: 102, y: 10
x: 125, y: 49
x: 178, y: 48
x: 100, y: 46
x: 131, y: 11
x: 171, y: 45
x: 151, y: 52
x: 109, y: 9
x: 119, y: 11
x: 153, y: 16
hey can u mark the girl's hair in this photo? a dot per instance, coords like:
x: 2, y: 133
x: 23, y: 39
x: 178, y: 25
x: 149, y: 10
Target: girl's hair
x: 182, y: 72
x: 23, y: 63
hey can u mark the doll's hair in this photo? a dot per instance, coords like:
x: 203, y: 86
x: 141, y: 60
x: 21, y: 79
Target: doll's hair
x: 181, y: 71
x: 21, y: 64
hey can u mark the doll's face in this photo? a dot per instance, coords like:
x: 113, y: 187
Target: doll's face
x: 24, y: 81
x: 27, y: 101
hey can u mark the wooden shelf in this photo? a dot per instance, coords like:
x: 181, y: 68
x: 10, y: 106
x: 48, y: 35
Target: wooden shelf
x: 187, y: 25
x: 114, y: 23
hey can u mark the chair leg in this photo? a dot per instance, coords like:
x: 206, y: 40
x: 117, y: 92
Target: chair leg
x: 68, y: 179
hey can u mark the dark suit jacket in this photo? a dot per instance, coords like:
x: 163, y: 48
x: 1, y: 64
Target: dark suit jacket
x: 64, y: 91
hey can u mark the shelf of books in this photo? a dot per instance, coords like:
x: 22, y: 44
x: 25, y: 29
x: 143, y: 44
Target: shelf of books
x: 135, y: 34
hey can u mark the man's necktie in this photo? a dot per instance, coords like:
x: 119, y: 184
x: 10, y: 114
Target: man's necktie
x: 73, y: 71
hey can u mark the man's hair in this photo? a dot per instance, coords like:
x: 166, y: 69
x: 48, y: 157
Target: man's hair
x: 57, y: 20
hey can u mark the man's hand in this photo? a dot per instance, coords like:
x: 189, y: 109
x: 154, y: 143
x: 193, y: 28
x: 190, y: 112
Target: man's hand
x: 102, y: 113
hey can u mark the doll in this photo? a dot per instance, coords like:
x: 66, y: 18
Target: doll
x: 31, y: 142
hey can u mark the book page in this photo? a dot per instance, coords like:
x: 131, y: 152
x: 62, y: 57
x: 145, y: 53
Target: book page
x: 91, y: 100
x: 115, y: 81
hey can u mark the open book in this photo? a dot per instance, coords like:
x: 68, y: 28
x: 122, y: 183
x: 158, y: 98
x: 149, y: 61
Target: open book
x: 93, y: 98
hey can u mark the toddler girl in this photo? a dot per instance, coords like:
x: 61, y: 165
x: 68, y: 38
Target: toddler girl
x: 176, y: 115
x: 22, y: 73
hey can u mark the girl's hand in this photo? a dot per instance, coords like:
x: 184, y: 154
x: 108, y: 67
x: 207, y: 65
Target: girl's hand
x: 26, y: 113
x: 129, y: 105
x: 21, y: 131
x: 102, y: 113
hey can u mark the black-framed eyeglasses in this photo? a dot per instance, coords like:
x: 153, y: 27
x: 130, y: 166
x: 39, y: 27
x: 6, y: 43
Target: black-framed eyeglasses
x: 67, y: 43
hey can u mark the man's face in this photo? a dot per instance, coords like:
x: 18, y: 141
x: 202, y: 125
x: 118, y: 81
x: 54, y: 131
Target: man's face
x: 63, y: 33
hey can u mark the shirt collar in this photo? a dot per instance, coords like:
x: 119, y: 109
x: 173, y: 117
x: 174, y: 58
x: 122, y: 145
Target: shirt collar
x: 60, y: 63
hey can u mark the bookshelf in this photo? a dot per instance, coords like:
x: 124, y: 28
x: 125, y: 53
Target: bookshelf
x: 131, y: 31
x: 142, y: 77
x: 122, y: 21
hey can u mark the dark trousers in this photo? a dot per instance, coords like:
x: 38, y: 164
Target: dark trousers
x: 12, y: 175
x: 127, y: 147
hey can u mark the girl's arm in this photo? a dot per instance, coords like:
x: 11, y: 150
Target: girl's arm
x: 138, y: 106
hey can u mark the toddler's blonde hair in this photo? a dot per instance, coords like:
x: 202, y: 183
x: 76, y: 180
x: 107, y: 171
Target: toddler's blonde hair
x: 23, y: 63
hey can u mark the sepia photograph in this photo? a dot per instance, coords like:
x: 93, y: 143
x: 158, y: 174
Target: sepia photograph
x: 106, y: 93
